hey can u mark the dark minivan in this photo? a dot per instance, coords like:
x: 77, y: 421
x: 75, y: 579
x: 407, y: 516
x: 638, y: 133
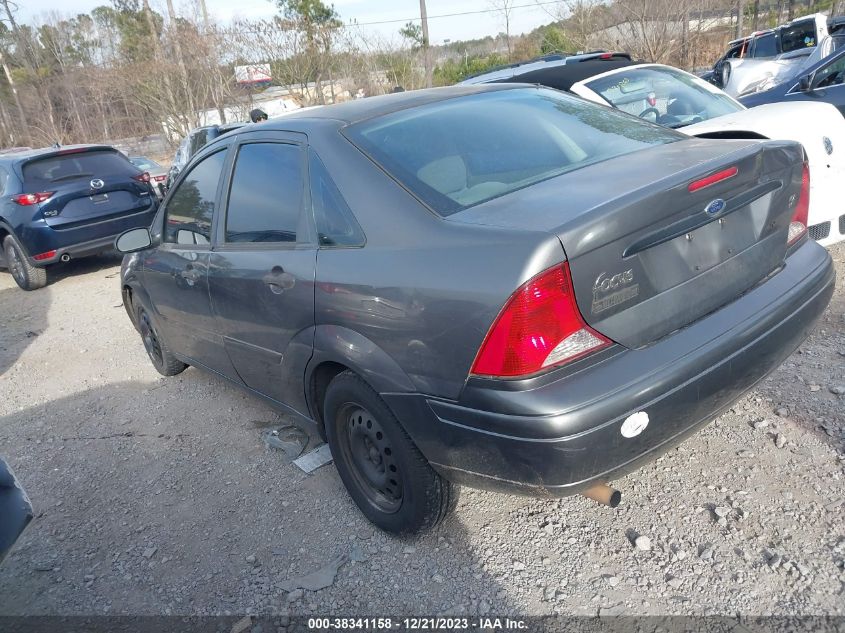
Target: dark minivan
x: 60, y: 203
x: 503, y: 286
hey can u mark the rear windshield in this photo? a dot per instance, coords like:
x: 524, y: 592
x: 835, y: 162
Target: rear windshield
x: 460, y: 152
x: 68, y: 167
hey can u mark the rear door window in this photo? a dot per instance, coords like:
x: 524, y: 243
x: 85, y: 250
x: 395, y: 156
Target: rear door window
x: 265, y: 198
x: 45, y: 172
x: 190, y: 208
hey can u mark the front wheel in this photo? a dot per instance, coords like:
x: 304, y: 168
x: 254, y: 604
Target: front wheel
x: 384, y: 472
x: 27, y: 276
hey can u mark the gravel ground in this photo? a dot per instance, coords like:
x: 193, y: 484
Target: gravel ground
x: 159, y: 496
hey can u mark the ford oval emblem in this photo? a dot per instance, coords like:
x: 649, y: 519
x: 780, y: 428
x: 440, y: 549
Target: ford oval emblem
x: 716, y: 206
x: 828, y: 145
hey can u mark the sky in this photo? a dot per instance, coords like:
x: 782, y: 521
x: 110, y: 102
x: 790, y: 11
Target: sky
x: 523, y: 18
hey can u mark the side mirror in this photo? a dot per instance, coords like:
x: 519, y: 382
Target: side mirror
x: 805, y: 84
x: 133, y: 240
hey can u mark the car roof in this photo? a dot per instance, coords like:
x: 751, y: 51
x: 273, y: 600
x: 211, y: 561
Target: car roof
x: 565, y: 76
x: 508, y: 73
x: 370, y: 107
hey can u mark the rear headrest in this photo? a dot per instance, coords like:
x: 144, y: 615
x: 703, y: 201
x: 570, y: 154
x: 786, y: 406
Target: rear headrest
x: 446, y: 175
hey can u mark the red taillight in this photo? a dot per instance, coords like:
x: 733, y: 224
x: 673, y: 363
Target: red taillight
x: 540, y: 327
x: 143, y: 177
x: 29, y: 199
x: 798, y: 224
x: 712, y: 179
x: 43, y: 256
x: 159, y: 178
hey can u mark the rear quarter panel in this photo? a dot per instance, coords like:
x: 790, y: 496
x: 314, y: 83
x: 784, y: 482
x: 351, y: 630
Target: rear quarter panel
x: 423, y: 291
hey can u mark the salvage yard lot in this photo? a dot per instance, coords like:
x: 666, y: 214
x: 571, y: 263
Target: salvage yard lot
x: 159, y: 496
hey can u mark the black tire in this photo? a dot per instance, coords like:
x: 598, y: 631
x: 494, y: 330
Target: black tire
x: 725, y: 75
x: 160, y: 355
x: 26, y: 275
x: 386, y: 475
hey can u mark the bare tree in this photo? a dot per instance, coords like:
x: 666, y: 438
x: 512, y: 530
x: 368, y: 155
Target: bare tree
x: 504, y: 8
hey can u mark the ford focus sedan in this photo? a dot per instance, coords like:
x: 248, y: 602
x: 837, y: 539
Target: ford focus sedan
x: 505, y: 287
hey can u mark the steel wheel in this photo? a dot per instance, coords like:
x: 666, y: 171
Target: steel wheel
x: 368, y: 450
x: 150, y: 338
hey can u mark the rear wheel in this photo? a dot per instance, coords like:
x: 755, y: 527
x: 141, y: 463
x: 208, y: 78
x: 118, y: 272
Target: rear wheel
x: 26, y: 275
x: 386, y: 475
x: 160, y: 355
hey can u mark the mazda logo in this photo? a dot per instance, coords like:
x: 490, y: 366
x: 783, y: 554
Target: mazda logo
x: 97, y: 184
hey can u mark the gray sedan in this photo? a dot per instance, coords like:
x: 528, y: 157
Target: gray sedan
x: 499, y: 286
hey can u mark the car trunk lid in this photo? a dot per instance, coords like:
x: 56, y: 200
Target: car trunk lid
x: 649, y: 256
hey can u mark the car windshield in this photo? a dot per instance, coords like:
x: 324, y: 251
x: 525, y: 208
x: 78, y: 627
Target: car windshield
x: 460, y: 152
x: 663, y: 95
x: 144, y: 163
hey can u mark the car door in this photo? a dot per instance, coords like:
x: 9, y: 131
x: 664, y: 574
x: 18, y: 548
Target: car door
x: 176, y: 272
x: 261, y: 272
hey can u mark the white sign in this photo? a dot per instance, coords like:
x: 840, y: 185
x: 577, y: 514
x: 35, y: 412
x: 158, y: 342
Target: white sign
x: 255, y: 74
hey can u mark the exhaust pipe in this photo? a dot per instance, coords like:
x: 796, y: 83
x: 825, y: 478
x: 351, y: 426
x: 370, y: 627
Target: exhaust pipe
x: 603, y: 494
x: 65, y: 257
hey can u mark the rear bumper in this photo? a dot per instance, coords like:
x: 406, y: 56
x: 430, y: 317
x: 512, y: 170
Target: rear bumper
x: 88, y: 239
x: 560, y: 434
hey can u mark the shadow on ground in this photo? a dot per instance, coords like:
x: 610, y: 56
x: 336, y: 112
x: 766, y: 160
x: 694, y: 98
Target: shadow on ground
x: 161, y: 498
x: 23, y: 318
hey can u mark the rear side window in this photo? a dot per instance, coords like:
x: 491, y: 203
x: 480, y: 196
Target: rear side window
x: 336, y: 226
x: 76, y: 166
x: 265, y: 199
x: 798, y: 36
x: 456, y: 153
x: 190, y: 208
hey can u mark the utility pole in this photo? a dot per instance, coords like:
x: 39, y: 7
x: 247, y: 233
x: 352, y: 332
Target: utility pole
x: 740, y: 9
x: 217, y: 77
x: 426, y: 45
x: 180, y: 59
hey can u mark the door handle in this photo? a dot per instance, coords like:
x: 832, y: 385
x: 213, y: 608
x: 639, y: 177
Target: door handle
x: 278, y: 280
